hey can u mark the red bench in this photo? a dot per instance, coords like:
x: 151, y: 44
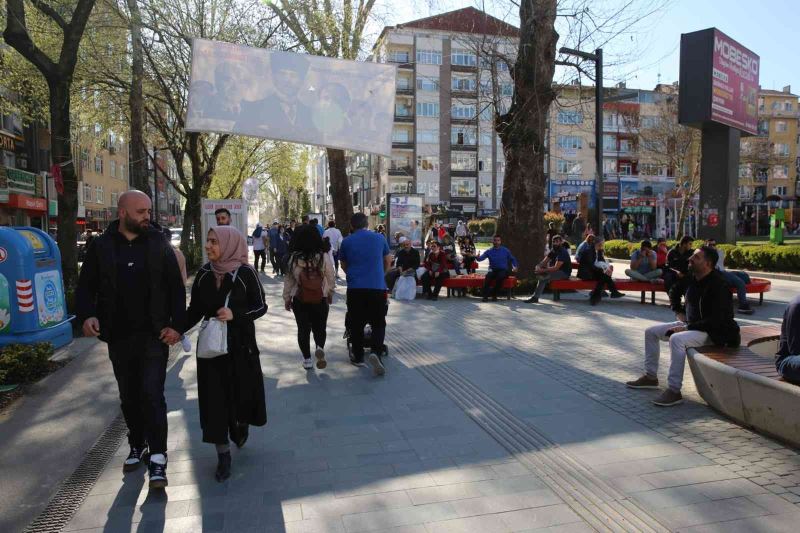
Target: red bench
x: 460, y: 284
x: 756, y: 286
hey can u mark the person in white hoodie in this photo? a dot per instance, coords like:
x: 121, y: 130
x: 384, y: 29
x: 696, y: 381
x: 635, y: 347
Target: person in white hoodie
x: 308, y: 291
x: 334, y: 236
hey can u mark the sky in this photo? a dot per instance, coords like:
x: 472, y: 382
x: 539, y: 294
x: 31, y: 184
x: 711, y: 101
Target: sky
x: 651, y: 48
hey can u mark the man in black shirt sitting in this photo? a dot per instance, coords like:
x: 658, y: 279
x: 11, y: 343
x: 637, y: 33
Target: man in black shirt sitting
x: 406, y: 263
x: 708, y: 319
x: 676, y: 272
x: 788, y: 362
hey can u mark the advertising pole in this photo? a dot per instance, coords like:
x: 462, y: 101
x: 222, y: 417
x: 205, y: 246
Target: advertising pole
x: 598, y: 140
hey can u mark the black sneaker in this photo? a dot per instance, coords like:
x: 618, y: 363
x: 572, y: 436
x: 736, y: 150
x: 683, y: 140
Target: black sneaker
x: 668, y: 398
x: 223, y: 466
x: 158, y: 475
x: 644, y: 382
x: 485, y: 299
x: 617, y: 294
x: 745, y: 309
x: 357, y: 362
x: 135, y: 459
x: 532, y: 300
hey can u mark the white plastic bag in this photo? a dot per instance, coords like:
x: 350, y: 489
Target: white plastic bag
x: 421, y: 272
x: 405, y: 288
x: 212, y: 341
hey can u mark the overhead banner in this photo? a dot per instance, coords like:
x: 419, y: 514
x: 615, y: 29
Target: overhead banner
x: 291, y: 97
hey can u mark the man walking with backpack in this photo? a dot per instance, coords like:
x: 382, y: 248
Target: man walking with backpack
x: 308, y: 291
x: 365, y: 258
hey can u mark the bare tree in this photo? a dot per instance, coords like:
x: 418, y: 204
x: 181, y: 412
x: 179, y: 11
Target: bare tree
x: 332, y: 30
x: 136, y: 146
x: 58, y: 75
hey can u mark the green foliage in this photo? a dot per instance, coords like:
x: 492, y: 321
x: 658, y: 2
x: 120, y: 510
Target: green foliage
x: 24, y: 363
x: 489, y: 226
x: 556, y: 218
x: 474, y: 226
x: 767, y: 257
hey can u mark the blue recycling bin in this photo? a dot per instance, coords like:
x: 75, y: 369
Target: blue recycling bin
x: 32, y: 304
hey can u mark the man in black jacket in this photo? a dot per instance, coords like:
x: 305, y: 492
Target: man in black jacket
x: 676, y: 272
x: 406, y: 262
x: 708, y: 320
x: 131, y: 295
x: 788, y: 361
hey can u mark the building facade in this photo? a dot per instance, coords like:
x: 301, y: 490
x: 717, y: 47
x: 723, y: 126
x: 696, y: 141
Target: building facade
x: 451, y: 79
x: 103, y: 176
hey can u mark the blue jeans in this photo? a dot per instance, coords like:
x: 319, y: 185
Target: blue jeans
x: 736, y: 279
x: 788, y: 366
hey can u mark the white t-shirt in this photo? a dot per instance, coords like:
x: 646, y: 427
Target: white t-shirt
x: 335, y: 236
x: 258, y: 242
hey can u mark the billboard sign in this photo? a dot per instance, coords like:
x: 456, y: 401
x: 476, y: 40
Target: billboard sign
x: 291, y: 97
x: 405, y: 216
x: 718, y: 82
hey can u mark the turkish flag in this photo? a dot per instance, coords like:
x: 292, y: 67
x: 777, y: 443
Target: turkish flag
x: 58, y: 178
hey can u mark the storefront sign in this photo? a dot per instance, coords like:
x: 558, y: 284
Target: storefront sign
x: 7, y: 142
x: 21, y: 181
x: 21, y: 201
x: 610, y: 190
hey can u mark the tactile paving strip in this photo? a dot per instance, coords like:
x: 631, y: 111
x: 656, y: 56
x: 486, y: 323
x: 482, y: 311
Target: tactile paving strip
x: 600, y: 505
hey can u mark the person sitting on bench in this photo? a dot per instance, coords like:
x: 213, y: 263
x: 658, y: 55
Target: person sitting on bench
x: 644, y: 264
x: 436, y: 271
x: 788, y: 361
x: 676, y: 275
x: 735, y: 278
x: 555, y: 265
x: 593, y: 266
x: 707, y: 319
x: 501, y: 261
x: 406, y: 263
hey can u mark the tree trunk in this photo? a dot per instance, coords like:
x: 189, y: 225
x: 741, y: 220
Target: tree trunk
x: 192, y: 229
x: 138, y: 154
x: 61, y: 149
x: 522, y: 131
x: 340, y: 190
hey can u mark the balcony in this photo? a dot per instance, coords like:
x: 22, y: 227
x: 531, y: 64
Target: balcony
x: 401, y: 171
x: 464, y: 173
x: 402, y: 145
x: 463, y: 68
x: 464, y: 147
x: 464, y: 121
x: 781, y: 113
x: 461, y: 93
x: 404, y: 91
x: 401, y: 62
x: 407, y: 118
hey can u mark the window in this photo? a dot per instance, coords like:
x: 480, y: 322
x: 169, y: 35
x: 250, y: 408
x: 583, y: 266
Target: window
x: 763, y: 127
x: 463, y: 187
x: 780, y: 190
x: 403, y: 83
x: 650, y: 169
x: 97, y: 129
x: 463, y: 57
x: 486, y: 138
x: 609, y: 143
x: 625, y: 145
x: 429, y: 57
x: 114, y: 198
x: 87, y: 192
x: 122, y: 172
x: 501, y: 166
x: 98, y: 192
x: 782, y: 149
x: 609, y: 166
x: 427, y: 162
x: 112, y: 168
x: 465, y: 162
x: 401, y: 136
x: 648, y: 121
x: 399, y: 163
x: 787, y: 106
x: 609, y: 120
x: 398, y: 187
x: 84, y: 158
x: 485, y: 164
x: 428, y: 84
x: 428, y: 136
x: 569, y: 142
x: 626, y: 169
x: 427, y: 109
x: 780, y: 171
x: 487, y: 113
x: 780, y: 126
x: 98, y: 164
x: 776, y: 106
x: 651, y: 145
x: 398, y: 56
x: 502, y: 66
x: 402, y: 110
x: 464, y: 84
x: 507, y: 89
x: 564, y: 166
x: 463, y: 111
x: 570, y: 117
x: 463, y: 135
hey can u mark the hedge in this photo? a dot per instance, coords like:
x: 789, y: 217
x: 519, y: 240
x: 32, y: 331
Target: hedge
x: 24, y: 363
x: 484, y: 227
x: 767, y: 257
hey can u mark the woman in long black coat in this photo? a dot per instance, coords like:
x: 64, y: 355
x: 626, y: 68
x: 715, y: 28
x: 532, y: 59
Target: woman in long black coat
x: 231, y: 386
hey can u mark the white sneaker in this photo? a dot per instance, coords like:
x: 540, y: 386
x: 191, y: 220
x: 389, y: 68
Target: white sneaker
x: 307, y: 364
x: 377, y: 367
x: 320, y: 355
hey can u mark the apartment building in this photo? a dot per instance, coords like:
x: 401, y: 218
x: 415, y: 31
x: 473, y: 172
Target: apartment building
x: 103, y: 176
x: 451, y: 73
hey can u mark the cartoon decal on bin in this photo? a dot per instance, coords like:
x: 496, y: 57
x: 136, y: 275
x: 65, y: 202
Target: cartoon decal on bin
x: 49, y: 298
x: 5, y: 305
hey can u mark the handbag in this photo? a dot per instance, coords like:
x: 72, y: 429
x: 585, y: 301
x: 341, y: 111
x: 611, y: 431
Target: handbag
x: 212, y: 341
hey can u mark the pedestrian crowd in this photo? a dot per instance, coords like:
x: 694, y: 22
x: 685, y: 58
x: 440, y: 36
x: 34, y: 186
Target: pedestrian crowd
x: 132, y: 295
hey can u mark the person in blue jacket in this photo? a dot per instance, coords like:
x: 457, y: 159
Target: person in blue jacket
x: 501, y: 263
x: 281, y: 246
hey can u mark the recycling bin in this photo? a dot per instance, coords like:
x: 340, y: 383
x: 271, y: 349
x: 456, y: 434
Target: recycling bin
x: 32, y: 304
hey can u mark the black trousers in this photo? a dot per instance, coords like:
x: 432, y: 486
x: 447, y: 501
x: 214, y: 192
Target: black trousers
x: 140, y: 366
x: 603, y: 281
x: 310, y: 318
x: 676, y: 292
x: 273, y: 259
x: 366, y: 306
x: 468, y: 260
x: 279, y: 263
x: 263, y: 255
x: 499, y: 277
x: 427, y: 280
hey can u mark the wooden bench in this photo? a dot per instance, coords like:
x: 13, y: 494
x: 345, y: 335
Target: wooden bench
x: 756, y: 286
x: 459, y: 284
x: 745, y: 386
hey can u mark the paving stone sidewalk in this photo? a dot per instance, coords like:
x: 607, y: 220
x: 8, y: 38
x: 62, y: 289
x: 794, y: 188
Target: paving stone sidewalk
x: 422, y: 449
